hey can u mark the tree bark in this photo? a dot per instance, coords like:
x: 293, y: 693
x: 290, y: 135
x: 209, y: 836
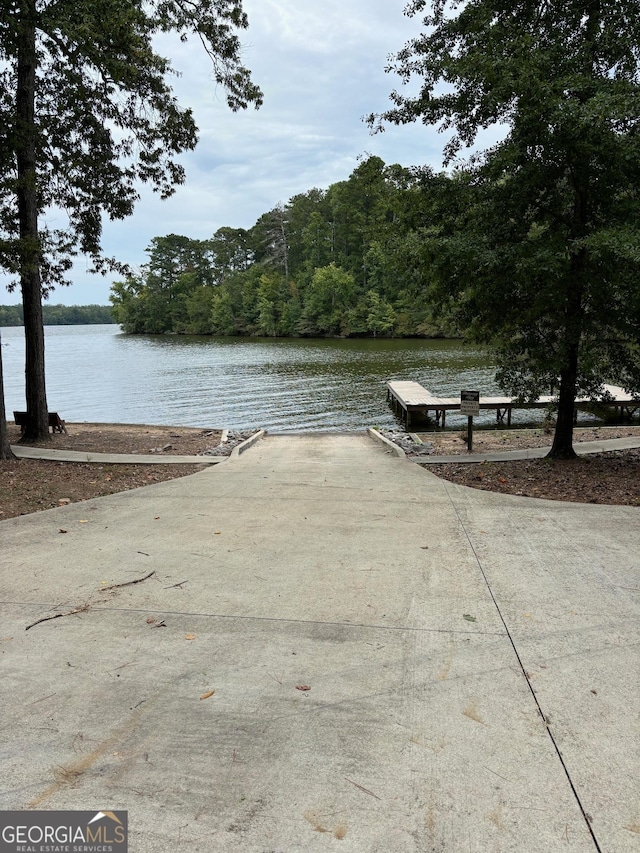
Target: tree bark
x: 37, y: 428
x: 5, y: 447
x: 562, y: 447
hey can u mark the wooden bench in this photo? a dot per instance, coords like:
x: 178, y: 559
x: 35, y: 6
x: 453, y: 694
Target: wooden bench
x: 55, y: 421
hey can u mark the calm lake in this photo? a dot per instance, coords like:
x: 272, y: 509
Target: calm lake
x: 95, y: 373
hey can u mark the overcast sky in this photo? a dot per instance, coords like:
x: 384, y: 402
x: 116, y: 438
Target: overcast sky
x: 321, y: 68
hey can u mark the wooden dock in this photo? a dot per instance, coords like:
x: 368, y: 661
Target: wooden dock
x: 411, y: 401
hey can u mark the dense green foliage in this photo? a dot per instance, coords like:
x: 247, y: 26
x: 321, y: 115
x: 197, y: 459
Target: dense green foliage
x: 59, y: 315
x: 337, y: 262
x: 537, y: 247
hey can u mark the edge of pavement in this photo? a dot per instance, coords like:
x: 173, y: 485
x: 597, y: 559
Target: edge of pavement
x: 131, y: 458
x: 581, y: 448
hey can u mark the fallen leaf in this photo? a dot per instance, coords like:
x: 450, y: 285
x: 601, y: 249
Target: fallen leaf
x: 469, y: 618
x: 303, y: 687
x: 472, y: 712
x: 217, y: 532
x: 62, y: 530
x: 156, y: 517
x: 208, y: 695
x: 189, y: 636
x: 151, y: 620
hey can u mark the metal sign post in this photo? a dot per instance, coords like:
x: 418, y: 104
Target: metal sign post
x: 470, y: 406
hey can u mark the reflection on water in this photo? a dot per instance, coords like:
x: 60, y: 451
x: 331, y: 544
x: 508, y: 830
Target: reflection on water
x: 95, y: 373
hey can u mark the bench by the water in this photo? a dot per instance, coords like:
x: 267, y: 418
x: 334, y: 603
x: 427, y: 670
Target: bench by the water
x: 411, y: 400
x: 56, y: 423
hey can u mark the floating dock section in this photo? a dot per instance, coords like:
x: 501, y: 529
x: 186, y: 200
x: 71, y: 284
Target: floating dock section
x: 413, y: 402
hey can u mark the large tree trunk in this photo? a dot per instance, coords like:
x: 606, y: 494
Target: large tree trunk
x: 5, y: 447
x: 37, y: 428
x: 562, y: 447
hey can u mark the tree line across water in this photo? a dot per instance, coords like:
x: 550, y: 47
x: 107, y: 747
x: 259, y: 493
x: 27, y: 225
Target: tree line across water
x: 59, y: 315
x: 346, y: 261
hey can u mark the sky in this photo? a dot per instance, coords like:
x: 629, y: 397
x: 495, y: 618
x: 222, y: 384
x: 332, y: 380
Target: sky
x: 321, y: 67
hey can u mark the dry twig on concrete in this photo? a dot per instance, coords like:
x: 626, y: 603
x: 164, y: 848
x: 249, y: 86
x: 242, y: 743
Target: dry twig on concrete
x: 128, y: 583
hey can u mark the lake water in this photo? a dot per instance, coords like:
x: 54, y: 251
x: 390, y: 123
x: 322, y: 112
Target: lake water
x: 95, y: 373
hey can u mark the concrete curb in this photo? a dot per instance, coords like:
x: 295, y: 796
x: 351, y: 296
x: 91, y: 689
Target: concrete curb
x: 388, y: 444
x: 130, y: 458
x: 247, y: 443
x: 111, y: 458
x: 583, y: 448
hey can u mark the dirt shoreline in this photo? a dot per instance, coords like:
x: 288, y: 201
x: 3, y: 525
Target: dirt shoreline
x: 33, y: 485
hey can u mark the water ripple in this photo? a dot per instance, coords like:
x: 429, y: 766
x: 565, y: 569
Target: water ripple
x: 94, y: 373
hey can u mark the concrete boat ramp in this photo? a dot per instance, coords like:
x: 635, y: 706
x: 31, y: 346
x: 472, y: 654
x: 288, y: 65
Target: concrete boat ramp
x: 326, y: 648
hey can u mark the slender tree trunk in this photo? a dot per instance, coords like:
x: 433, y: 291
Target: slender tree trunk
x: 562, y: 447
x: 5, y: 447
x: 37, y: 412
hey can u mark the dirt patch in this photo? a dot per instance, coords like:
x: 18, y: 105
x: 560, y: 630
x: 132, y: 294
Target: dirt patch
x: 600, y: 478
x: 130, y: 438
x: 30, y: 485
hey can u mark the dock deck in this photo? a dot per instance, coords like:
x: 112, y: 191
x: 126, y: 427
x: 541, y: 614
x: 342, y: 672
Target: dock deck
x: 411, y: 400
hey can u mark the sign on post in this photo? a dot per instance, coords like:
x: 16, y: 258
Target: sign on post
x: 470, y: 403
x: 470, y: 406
